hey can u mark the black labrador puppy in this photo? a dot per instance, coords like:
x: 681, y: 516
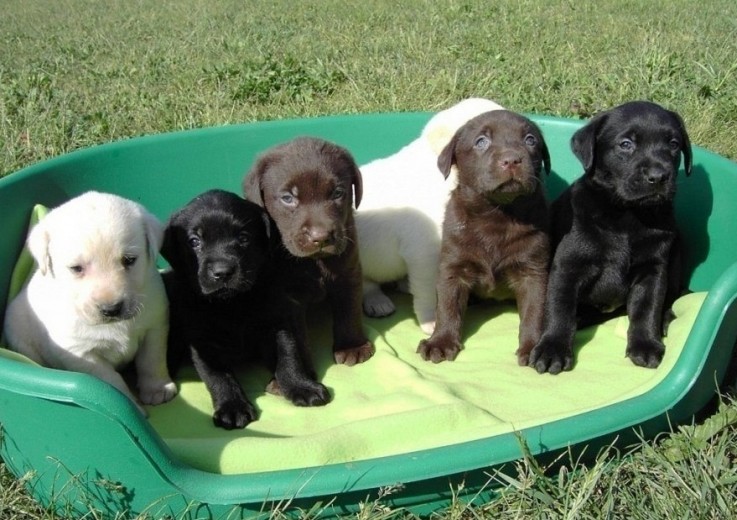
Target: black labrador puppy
x: 617, y: 244
x: 307, y: 187
x: 222, y: 311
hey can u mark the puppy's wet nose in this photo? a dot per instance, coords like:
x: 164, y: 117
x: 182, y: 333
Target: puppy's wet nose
x: 319, y: 235
x: 510, y: 159
x: 656, y: 176
x: 111, y: 310
x: 220, y: 270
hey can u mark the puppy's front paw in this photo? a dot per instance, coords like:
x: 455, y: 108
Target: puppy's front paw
x: 157, y: 392
x: 646, y: 353
x: 234, y: 414
x: 307, y: 393
x: 377, y: 304
x: 550, y: 356
x: 354, y: 355
x: 437, y: 351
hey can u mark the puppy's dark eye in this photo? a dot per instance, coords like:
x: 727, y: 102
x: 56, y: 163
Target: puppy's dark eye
x: 482, y: 142
x: 128, y: 261
x: 194, y: 241
x: 674, y: 144
x: 338, y: 193
x: 530, y: 140
x: 77, y: 269
x: 243, y: 238
x: 626, y: 145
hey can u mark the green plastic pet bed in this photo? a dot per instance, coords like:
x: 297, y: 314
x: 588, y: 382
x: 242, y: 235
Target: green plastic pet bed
x: 427, y: 432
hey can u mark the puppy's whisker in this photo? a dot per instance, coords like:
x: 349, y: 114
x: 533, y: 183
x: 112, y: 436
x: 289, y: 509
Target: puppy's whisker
x: 138, y: 309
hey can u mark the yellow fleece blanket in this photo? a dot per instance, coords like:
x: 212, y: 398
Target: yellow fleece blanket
x: 396, y: 402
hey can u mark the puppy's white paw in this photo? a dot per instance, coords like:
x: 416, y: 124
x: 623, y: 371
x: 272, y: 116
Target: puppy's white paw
x: 157, y: 392
x: 377, y: 304
x: 428, y: 327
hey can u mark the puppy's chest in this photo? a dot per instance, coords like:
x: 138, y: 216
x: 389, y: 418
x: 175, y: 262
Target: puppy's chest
x: 625, y: 241
x: 621, y: 251
x: 487, y: 252
x: 116, y: 343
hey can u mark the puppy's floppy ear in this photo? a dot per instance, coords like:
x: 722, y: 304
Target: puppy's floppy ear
x: 38, y: 245
x: 544, y: 150
x: 685, y: 145
x: 583, y: 142
x: 546, y: 157
x: 447, y: 157
x: 252, y: 182
x: 343, y: 159
x: 154, y: 235
x: 172, y: 242
x: 267, y: 223
x: 357, y: 181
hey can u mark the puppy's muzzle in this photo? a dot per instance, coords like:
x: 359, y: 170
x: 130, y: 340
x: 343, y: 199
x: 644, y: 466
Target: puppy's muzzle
x: 220, y: 271
x: 509, y: 161
x: 111, y: 310
x: 115, y: 311
x: 318, y: 241
x: 656, y: 176
x: 221, y: 274
x: 655, y: 185
x: 510, y: 177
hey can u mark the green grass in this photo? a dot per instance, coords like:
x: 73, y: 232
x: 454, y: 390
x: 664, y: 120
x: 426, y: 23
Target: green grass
x: 83, y: 72
x: 76, y: 73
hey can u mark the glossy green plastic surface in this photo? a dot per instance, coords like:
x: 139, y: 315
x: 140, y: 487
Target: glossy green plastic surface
x: 88, y: 446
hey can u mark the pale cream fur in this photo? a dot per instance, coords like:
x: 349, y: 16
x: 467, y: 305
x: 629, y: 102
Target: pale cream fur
x: 96, y: 251
x: 399, y: 223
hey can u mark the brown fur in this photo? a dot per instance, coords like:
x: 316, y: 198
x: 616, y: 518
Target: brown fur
x: 307, y: 187
x: 495, y: 240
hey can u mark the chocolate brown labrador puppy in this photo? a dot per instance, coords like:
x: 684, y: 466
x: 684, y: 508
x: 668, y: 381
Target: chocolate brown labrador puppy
x: 495, y: 234
x: 222, y: 311
x: 307, y: 187
x: 616, y: 235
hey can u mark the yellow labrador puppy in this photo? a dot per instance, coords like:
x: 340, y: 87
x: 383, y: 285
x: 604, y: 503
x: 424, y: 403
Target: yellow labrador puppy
x: 96, y: 300
x: 399, y: 225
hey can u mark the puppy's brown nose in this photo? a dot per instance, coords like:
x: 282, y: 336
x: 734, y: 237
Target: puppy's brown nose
x: 510, y: 159
x: 319, y: 235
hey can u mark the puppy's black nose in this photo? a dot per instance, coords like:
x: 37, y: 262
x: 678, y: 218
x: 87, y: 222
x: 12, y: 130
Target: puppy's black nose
x: 221, y: 270
x: 111, y: 310
x: 656, y: 176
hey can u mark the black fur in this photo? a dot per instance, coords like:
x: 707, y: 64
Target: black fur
x: 617, y: 244
x: 222, y: 311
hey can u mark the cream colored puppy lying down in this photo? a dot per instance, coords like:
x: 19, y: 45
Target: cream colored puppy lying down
x: 400, y: 221
x: 96, y: 300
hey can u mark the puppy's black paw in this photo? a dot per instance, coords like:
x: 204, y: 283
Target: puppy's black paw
x: 552, y: 357
x: 308, y: 393
x: 235, y: 414
x: 438, y: 350
x: 646, y: 353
